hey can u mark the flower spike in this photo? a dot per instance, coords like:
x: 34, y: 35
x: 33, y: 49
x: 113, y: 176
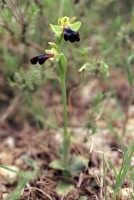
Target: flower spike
x: 67, y: 29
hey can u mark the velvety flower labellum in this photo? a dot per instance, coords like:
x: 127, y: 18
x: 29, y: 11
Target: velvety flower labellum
x: 41, y: 58
x: 71, y: 35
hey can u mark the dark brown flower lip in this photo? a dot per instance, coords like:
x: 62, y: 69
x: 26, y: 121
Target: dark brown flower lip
x: 41, y: 58
x: 71, y: 35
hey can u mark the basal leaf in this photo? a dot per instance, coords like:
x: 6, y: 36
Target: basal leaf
x: 64, y: 188
x: 56, y: 164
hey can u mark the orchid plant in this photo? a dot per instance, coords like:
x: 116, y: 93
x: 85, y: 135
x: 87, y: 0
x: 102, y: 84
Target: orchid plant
x: 65, y: 30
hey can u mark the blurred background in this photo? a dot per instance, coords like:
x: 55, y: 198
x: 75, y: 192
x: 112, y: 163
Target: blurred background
x: 107, y: 33
x: 100, y: 92
x: 31, y: 94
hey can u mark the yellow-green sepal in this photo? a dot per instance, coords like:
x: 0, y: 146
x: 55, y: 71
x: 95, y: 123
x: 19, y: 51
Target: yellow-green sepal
x: 56, y: 29
x: 75, y: 26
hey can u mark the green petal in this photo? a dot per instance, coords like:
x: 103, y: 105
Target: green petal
x: 75, y: 26
x: 72, y: 19
x: 56, y: 29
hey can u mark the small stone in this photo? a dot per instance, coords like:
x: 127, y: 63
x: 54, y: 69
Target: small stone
x: 125, y: 194
x: 19, y: 162
x: 6, y: 158
x: 10, y: 142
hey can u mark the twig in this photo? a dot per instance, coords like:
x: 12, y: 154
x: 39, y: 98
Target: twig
x: 11, y: 5
x: 21, y: 17
x: 23, y: 24
x: 33, y: 45
x: 11, y: 109
x: 8, y: 29
x: 43, y: 192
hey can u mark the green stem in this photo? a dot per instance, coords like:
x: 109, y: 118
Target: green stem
x: 61, y: 8
x: 66, y: 139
